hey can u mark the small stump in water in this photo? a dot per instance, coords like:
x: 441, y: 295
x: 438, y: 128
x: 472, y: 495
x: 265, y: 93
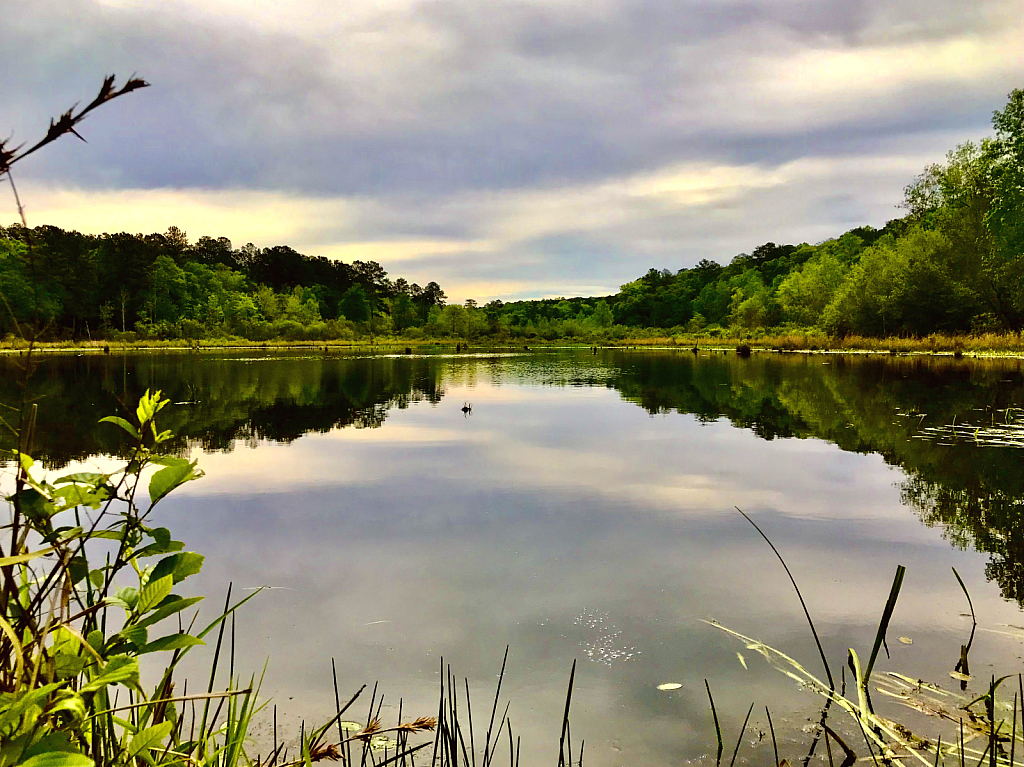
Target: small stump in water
x: 743, y: 350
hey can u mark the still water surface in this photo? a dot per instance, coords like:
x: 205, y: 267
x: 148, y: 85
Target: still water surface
x: 583, y: 510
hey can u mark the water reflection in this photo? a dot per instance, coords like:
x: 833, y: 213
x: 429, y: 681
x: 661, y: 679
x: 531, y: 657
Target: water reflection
x: 563, y: 519
x: 873, y: 405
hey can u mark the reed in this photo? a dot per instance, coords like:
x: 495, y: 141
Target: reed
x: 962, y: 718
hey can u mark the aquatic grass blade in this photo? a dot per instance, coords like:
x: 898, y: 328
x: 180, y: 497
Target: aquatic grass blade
x: 883, y: 625
x: 565, y: 716
x: 775, y: 744
x: 718, y: 728
x: 739, y: 740
x: 803, y: 604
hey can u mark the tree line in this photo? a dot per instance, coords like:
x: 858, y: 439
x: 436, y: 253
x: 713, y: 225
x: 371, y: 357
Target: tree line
x: 954, y: 263
x: 162, y: 286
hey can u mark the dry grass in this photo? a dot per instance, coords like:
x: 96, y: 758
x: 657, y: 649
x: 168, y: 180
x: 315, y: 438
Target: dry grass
x: 988, y: 344
x: 1004, y: 344
x: 12, y: 345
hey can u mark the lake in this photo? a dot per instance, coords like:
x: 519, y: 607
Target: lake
x: 585, y: 509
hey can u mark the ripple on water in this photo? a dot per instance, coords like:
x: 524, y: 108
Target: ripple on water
x: 602, y: 640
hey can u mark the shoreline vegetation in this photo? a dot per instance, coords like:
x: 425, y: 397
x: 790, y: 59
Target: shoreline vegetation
x: 1007, y: 345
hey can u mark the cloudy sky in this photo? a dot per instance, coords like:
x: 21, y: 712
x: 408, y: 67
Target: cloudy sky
x: 503, y: 148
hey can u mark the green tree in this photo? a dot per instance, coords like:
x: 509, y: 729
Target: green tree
x: 1006, y: 216
x: 267, y: 302
x: 455, y: 320
x: 403, y: 312
x: 354, y: 305
x: 168, y: 289
x: 1006, y: 155
x: 602, y: 315
x: 804, y: 293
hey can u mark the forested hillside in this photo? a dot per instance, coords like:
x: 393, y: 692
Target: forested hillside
x: 160, y: 286
x: 954, y: 264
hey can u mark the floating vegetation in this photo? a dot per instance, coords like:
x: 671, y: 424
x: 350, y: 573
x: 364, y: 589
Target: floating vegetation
x: 669, y: 686
x: 1004, y: 431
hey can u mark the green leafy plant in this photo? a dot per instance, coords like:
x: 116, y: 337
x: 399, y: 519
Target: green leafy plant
x: 87, y: 590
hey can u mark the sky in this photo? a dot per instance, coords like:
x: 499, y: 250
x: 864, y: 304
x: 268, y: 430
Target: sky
x: 505, y: 149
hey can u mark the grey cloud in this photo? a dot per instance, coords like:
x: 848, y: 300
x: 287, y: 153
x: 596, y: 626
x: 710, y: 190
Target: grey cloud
x: 512, y: 96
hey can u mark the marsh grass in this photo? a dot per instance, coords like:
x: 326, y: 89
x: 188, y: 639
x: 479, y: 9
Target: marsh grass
x: 986, y: 344
x: 814, y: 341
x: 971, y: 729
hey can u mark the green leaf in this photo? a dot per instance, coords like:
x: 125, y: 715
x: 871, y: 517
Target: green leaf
x: 171, y: 605
x: 68, y: 665
x: 34, y: 504
x: 58, y: 759
x: 14, y: 710
x: 77, y: 495
x: 118, y: 421
x: 151, y: 737
x: 112, y: 535
x: 78, y: 569
x: 170, y: 642
x: 160, y: 535
x: 180, y: 566
x: 51, y: 742
x: 95, y: 640
x: 154, y: 593
x: 150, y: 404
x: 136, y: 635
x: 162, y: 543
x: 170, y: 477
x: 21, y: 558
x: 169, y: 460
x: 126, y: 597
x: 119, y: 670
x: 83, y: 478
x: 26, y: 462
x: 70, y: 704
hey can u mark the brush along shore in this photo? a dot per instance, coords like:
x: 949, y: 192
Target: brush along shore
x: 988, y: 344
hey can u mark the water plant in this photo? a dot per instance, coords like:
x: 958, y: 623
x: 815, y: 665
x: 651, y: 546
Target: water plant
x: 965, y: 718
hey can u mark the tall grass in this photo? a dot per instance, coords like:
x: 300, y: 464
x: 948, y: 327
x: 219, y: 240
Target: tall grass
x: 981, y: 344
x: 988, y: 719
